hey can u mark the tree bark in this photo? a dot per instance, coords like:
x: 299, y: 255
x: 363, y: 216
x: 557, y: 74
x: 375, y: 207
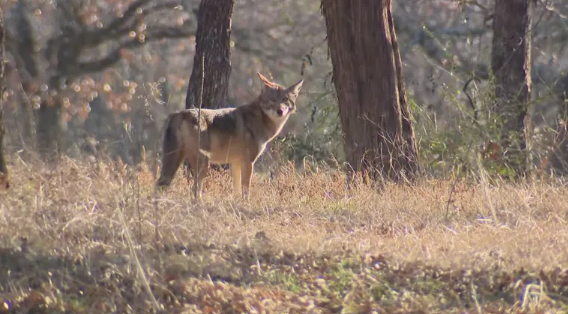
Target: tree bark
x: 27, y: 112
x: 511, y: 65
x: 212, y: 41
x: 4, y: 180
x: 48, y: 130
x: 367, y: 73
x: 558, y: 157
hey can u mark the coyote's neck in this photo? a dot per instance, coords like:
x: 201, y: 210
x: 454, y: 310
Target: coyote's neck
x: 274, y: 127
x: 270, y: 127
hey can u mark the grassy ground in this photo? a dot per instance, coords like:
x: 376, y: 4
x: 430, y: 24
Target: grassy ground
x: 81, y: 239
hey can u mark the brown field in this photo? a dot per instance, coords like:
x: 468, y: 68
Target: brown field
x: 81, y: 239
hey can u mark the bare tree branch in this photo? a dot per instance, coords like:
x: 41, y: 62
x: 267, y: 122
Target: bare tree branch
x: 115, y: 56
x: 83, y: 38
x: 64, y: 51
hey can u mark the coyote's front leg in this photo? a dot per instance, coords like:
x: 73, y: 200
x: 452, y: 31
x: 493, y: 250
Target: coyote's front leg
x: 201, y: 172
x: 236, y: 171
x: 246, y: 177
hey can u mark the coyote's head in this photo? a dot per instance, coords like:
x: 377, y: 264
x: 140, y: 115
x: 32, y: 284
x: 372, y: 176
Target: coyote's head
x: 277, y: 101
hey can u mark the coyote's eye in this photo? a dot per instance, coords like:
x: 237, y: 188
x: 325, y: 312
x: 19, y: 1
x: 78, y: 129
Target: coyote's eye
x: 285, y: 99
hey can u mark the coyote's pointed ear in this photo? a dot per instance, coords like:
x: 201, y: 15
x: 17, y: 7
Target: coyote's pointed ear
x: 295, y: 89
x: 265, y: 81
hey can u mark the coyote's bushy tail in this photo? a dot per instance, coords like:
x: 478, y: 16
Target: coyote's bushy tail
x: 172, y: 152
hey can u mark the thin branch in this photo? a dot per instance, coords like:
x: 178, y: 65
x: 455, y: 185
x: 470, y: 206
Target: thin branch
x: 128, y: 15
x: 76, y: 40
x: 123, y: 25
x: 115, y: 56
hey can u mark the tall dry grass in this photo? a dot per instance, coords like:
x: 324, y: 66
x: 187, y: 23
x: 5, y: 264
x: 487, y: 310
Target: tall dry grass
x: 95, y: 221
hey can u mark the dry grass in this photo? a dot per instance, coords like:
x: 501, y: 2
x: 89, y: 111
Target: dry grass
x: 80, y: 239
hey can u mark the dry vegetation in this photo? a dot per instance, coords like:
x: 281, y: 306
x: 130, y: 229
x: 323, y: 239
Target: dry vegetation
x: 81, y: 239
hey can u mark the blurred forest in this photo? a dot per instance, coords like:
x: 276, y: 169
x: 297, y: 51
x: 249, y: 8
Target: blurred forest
x: 118, y: 67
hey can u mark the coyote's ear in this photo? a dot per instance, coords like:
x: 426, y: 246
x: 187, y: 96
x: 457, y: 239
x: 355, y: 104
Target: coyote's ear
x: 265, y: 81
x: 295, y: 89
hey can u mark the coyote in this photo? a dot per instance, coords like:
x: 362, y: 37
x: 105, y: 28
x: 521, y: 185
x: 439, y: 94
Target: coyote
x: 235, y: 136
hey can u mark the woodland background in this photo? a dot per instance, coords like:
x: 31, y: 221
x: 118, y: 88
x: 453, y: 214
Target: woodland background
x: 122, y: 84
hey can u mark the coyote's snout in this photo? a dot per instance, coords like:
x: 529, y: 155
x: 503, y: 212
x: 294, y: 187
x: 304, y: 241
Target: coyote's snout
x: 235, y: 136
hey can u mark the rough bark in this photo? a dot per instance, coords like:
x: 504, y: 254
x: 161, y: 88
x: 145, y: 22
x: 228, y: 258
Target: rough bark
x: 212, y: 41
x: 367, y: 73
x: 4, y: 181
x: 511, y: 65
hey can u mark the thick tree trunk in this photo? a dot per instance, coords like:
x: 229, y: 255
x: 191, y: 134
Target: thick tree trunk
x: 511, y: 65
x: 213, y: 42
x: 367, y: 73
x: 4, y: 181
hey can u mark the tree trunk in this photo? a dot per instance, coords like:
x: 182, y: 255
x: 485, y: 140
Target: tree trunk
x: 367, y: 73
x: 213, y: 42
x: 511, y: 65
x: 4, y: 181
x: 48, y: 133
x: 558, y: 156
x: 27, y: 118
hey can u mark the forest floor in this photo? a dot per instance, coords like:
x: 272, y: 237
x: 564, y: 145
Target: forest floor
x: 81, y: 238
